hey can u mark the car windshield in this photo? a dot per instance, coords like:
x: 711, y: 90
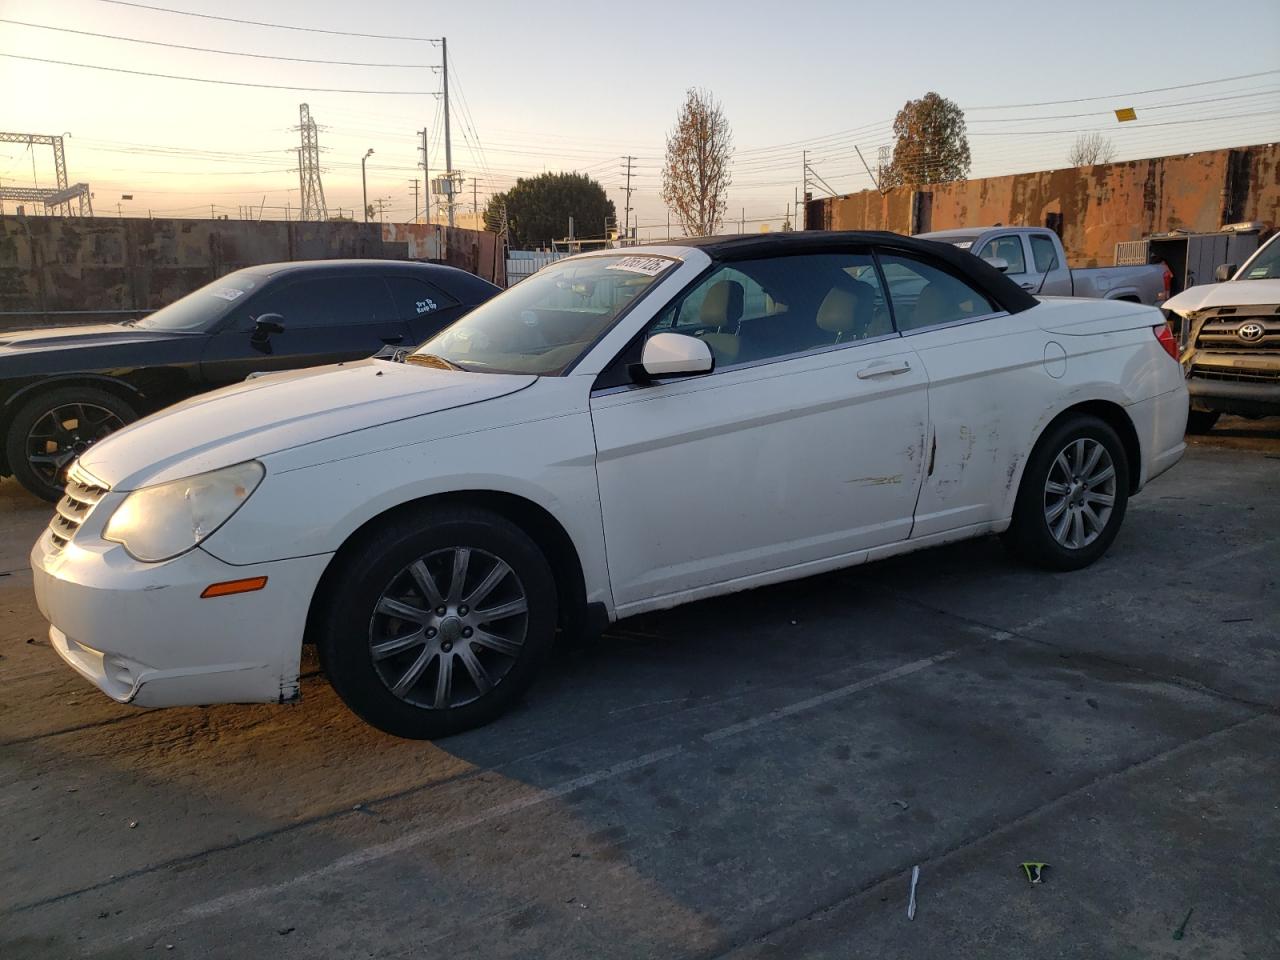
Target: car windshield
x: 200, y: 310
x: 544, y: 324
x: 1266, y: 265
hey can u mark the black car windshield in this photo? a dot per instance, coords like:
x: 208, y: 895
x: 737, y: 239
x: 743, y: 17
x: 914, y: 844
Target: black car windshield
x: 544, y: 324
x: 200, y: 310
x: 1266, y: 266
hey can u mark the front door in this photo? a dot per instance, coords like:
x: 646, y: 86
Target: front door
x: 806, y: 443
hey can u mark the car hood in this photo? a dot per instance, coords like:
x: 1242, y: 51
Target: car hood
x: 1233, y: 293
x: 280, y: 411
x: 81, y: 336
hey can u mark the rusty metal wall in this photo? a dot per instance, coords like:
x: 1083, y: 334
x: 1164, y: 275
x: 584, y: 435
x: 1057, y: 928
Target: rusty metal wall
x: 49, y: 265
x: 1097, y: 206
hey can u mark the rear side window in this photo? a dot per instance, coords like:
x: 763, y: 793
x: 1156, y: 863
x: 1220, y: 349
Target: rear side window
x: 924, y: 296
x: 417, y: 298
x: 1007, y: 248
x: 329, y: 302
x: 1045, y: 253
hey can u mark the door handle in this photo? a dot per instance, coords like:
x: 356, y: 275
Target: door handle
x: 883, y: 368
x: 390, y: 340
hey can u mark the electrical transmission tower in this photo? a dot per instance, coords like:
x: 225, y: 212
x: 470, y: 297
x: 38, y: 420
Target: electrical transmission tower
x: 313, y: 205
x: 59, y: 197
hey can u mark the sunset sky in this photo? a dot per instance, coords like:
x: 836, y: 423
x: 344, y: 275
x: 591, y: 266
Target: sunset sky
x: 551, y: 86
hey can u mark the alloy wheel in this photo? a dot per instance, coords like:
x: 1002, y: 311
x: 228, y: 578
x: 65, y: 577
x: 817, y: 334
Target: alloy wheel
x: 65, y: 432
x: 448, y: 628
x: 1080, y: 493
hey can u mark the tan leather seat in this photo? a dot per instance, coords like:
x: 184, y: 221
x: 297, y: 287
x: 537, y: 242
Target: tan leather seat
x: 722, y: 309
x: 848, y: 310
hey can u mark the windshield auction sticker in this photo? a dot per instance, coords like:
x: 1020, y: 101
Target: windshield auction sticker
x: 649, y: 266
x: 227, y: 293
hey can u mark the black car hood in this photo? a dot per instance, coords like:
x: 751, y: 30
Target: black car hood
x: 87, y: 335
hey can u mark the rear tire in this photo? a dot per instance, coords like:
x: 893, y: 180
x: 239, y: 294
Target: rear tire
x: 416, y: 650
x: 56, y: 426
x: 1202, y: 421
x: 1073, y: 495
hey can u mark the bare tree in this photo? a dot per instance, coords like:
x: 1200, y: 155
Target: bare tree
x: 1091, y: 148
x: 696, y: 177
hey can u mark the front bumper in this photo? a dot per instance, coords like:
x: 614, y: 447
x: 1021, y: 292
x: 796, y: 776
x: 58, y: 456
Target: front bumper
x: 143, y: 635
x: 1243, y: 397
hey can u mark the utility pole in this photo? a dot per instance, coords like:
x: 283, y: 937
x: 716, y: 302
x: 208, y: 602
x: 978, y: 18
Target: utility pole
x: 426, y: 174
x: 414, y: 184
x: 803, y: 218
x: 475, y: 197
x: 626, y: 220
x: 448, y: 144
x: 364, y: 184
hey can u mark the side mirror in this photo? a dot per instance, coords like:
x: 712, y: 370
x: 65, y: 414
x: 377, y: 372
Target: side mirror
x: 1000, y: 263
x: 266, y: 325
x: 674, y: 355
x: 1225, y: 272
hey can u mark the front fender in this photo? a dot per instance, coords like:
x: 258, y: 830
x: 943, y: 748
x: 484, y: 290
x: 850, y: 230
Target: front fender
x: 314, y: 509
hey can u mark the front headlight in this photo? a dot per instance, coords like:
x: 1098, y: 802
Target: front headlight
x: 159, y: 523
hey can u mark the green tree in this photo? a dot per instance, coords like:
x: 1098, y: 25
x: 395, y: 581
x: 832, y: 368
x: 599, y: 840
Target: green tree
x: 539, y: 208
x: 930, y: 144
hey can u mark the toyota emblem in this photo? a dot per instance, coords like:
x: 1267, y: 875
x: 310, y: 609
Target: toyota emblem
x: 1251, y: 332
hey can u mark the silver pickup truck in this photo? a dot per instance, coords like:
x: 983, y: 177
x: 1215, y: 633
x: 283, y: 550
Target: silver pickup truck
x: 1033, y: 258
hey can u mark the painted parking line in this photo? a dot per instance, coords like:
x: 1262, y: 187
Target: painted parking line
x: 239, y: 899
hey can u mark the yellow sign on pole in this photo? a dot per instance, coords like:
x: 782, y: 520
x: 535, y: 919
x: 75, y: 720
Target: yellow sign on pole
x: 1125, y: 114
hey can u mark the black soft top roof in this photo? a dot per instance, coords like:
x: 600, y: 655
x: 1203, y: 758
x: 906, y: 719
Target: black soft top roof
x: 973, y: 269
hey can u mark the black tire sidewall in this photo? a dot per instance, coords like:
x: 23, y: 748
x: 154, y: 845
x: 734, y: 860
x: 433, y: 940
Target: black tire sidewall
x: 1029, y: 532
x: 342, y: 636
x: 37, y: 407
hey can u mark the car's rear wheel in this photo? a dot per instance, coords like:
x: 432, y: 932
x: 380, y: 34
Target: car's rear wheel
x: 54, y: 428
x: 1202, y: 421
x: 1073, y: 495
x: 437, y: 621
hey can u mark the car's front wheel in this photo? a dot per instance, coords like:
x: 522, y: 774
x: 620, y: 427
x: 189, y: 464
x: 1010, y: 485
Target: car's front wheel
x: 437, y: 621
x: 1073, y: 495
x: 55, y: 427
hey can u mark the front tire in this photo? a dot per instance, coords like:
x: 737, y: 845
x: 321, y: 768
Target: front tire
x: 1073, y: 495
x: 55, y: 427
x: 437, y: 621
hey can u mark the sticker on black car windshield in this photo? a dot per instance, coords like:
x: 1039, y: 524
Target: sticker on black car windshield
x: 227, y: 293
x: 649, y: 266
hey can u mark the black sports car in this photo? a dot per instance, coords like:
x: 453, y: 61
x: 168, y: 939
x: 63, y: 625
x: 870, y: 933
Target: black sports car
x: 62, y: 388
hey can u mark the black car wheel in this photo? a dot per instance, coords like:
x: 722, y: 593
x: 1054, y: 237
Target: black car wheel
x: 436, y: 621
x: 54, y: 428
x: 1073, y: 495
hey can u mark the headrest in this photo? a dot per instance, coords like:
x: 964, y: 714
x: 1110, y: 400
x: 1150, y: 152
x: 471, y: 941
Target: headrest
x: 848, y: 308
x: 722, y: 306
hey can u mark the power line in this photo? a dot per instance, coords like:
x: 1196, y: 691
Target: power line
x: 260, y: 23
x: 1140, y: 126
x: 225, y: 83
x: 229, y: 53
x: 1151, y: 106
x: 1112, y: 96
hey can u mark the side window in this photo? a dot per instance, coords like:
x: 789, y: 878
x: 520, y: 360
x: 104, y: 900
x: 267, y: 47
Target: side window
x: 924, y: 296
x: 1007, y: 248
x: 1044, y: 252
x: 759, y: 310
x: 329, y: 302
x: 417, y: 298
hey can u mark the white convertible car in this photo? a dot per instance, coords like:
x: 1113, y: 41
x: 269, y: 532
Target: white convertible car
x: 624, y: 431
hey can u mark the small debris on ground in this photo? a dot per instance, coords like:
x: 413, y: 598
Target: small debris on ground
x: 285, y: 931
x: 911, y: 904
x: 1182, y: 927
x: 1034, y: 870
x: 132, y: 824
